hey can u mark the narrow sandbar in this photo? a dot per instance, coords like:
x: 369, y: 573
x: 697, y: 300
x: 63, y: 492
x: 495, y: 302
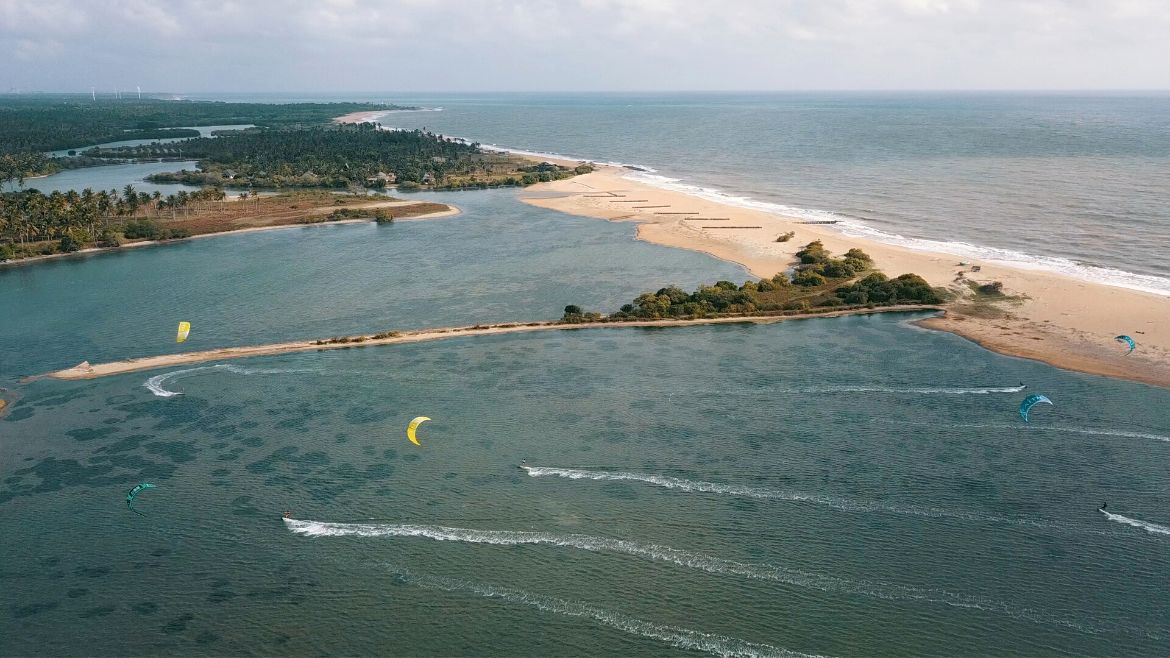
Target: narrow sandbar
x: 91, y: 371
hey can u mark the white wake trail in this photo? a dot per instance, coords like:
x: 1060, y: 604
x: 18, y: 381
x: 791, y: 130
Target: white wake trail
x: 931, y: 390
x: 683, y: 638
x: 682, y: 558
x: 1152, y: 528
x: 156, y: 384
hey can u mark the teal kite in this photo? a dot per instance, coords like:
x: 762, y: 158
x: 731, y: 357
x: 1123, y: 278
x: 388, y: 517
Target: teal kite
x: 1128, y: 341
x: 134, y: 492
x: 1031, y: 401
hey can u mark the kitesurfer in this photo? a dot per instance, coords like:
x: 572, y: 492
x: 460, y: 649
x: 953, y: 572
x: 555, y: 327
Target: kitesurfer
x: 1103, y: 506
x: 287, y: 514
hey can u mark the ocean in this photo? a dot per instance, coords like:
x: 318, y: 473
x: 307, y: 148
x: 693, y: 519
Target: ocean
x: 1069, y: 183
x: 848, y: 486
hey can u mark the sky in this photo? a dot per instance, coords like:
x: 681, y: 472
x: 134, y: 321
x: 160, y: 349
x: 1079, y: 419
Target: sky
x: 193, y: 46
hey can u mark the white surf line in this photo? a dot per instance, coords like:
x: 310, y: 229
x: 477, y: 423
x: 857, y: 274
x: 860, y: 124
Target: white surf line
x: 1152, y: 528
x: 657, y: 552
x: 155, y: 384
x: 676, y: 636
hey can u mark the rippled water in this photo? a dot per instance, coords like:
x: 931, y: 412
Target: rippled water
x: 851, y: 486
x: 682, y: 490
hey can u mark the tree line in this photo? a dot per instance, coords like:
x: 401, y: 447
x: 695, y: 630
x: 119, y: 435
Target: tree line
x: 32, y: 223
x: 55, y: 122
x: 820, y: 281
x: 345, y: 156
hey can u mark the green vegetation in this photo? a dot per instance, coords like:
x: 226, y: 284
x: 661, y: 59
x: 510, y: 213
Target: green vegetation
x: 351, y: 156
x: 16, y: 167
x: 821, y: 282
x: 35, y: 124
x: 785, y: 237
x: 379, y: 215
x: 54, y: 122
x: 35, y: 224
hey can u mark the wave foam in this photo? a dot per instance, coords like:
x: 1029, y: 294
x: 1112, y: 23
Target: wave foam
x: 852, y: 227
x: 155, y: 384
x: 1152, y: 528
x: 683, y: 638
x: 656, y: 552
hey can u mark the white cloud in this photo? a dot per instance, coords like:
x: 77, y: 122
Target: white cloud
x: 192, y: 45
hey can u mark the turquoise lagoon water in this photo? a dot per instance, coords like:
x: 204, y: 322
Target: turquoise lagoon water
x: 722, y: 489
x: 853, y: 486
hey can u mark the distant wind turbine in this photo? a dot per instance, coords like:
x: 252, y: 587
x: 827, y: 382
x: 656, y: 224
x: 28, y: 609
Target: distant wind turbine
x: 139, y: 93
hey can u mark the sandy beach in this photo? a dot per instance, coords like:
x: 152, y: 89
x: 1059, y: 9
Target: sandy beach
x: 1062, y: 321
x: 360, y: 117
x: 87, y: 370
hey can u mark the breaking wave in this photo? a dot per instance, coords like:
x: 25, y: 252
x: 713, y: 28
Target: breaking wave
x: 853, y: 227
x: 156, y: 384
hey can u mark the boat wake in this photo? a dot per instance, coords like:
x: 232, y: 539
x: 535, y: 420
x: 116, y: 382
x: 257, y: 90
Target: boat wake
x: 676, y: 636
x: 682, y: 558
x: 156, y: 384
x: 917, y: 391
x: 1152, y: 528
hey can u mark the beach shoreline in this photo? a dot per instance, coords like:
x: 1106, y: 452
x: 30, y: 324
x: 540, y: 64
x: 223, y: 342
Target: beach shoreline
x: 86, y: 370
x: 1065, y: 322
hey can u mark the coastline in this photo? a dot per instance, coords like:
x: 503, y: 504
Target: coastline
x: 449, y: 212
x: 186, y: 358
x: 1065, y: 322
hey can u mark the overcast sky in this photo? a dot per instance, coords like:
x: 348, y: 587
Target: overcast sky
x: 191, y: 46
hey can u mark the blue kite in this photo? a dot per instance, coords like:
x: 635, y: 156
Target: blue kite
x: 134, y: 492
x: 1128, y: 341
x: 1031, y: 401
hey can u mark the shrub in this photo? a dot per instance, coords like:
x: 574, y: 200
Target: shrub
x: 813, y: 252
x: 141, y: 229
x: 109, y: 239
x: 994, y: 288
x: 786, y: 236
x: 808, y: 279
x: 68, y: 245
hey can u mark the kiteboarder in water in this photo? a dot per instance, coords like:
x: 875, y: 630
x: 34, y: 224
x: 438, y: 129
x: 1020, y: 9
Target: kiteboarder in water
x: 1103, y: 506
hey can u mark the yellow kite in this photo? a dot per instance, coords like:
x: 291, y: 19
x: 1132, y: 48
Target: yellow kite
x: 184, y: 329
x: 414, y: 426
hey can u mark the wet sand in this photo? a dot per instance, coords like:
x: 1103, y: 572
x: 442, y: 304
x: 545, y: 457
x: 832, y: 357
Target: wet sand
x: 1062, y: 321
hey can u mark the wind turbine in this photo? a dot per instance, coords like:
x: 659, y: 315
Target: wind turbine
x: 139, y: 93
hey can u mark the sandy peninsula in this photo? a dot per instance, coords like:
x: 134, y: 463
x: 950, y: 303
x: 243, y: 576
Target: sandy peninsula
x: 86, y: 370
x: 365, y: 116
x: 1047, y: 317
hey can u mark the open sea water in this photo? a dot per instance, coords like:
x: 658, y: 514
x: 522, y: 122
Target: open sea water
x: 851, y: 486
